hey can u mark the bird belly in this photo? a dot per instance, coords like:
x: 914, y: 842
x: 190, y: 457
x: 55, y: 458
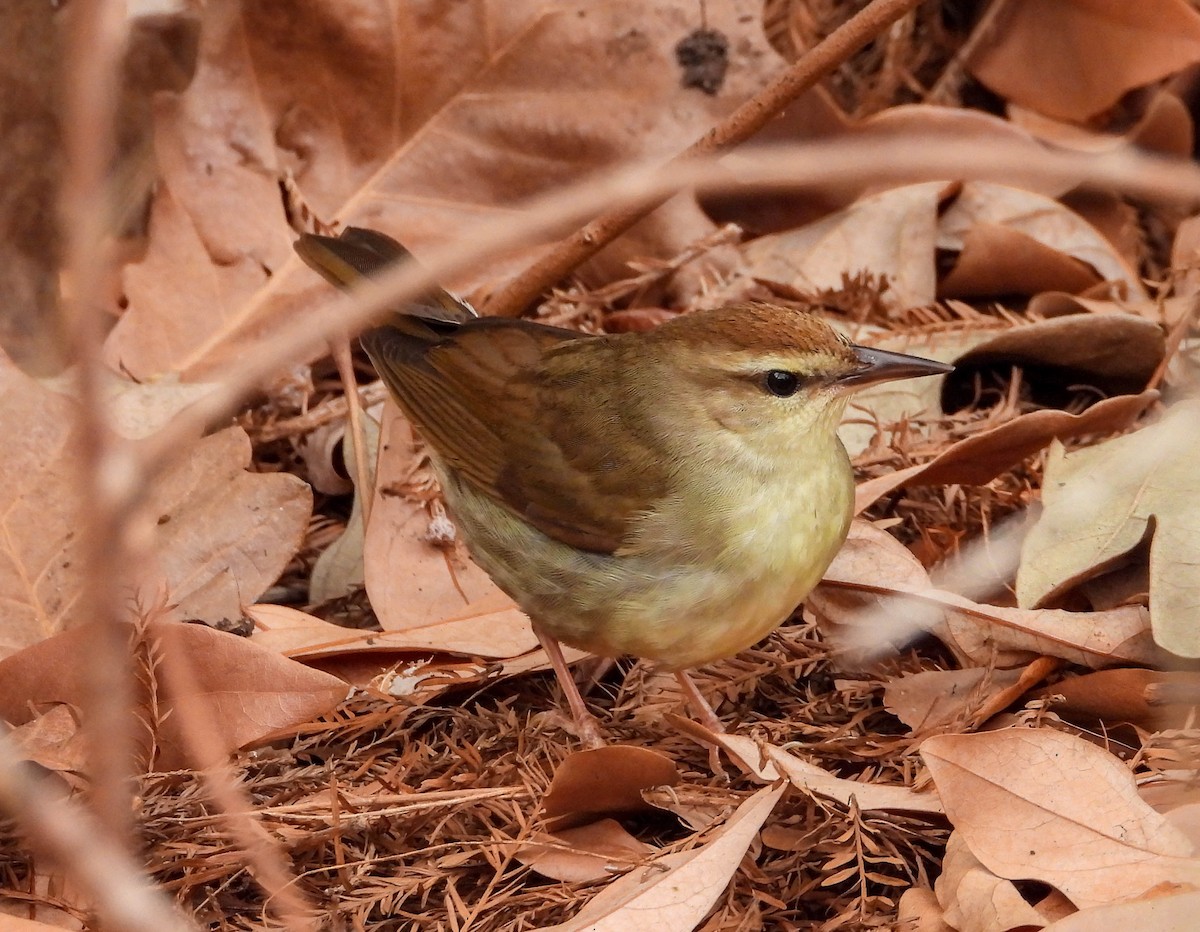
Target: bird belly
x: 711, y: 591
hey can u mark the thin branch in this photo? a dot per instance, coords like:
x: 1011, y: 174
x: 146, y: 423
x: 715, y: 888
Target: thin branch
x: 95, y: 46
x: 72, y: 838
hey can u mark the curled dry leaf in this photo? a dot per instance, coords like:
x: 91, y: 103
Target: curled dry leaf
x: 1101, y: 502
x: 1036, y: 804
x: 607, y: 779
x: 1127, y: 695
x: 897, y: 235
x: 1115, y: 352
x: 978, y: 459
x: 420, y: 124
x: 339, y: 568
x: 880, y: 594
x: 250, y: 692
x: 976, y: 899
x: 770, y: 763
x: 1088, y: 53
x: 677, y: 890
x: 590, y: 852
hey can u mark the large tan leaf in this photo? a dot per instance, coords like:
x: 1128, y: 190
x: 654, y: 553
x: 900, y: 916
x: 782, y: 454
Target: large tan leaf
x: 524, y: 96
x: 1074, y: 58
x: 897, y: 234
x: 39, y: 544
x: 248, y: 692
x: 1102, y: 501
x: 980, y: 458
x: 225, y: 534
x: 222, y: 534
x: 677, y: 890
x: 1036, y: 804
x: 975, y: 899
x: 873, y: 564
x: 1160, y: 912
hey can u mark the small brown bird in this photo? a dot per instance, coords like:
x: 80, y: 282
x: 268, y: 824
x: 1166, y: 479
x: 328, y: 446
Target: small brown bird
x: 672, y: 495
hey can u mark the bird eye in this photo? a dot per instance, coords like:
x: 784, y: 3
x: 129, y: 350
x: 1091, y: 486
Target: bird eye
x: 781, y: 383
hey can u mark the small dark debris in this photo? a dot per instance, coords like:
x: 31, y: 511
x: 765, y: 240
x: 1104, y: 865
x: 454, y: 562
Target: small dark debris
x: 704, y: 57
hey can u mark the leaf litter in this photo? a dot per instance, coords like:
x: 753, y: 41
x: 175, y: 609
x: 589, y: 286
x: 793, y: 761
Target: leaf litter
x: 442, y: 788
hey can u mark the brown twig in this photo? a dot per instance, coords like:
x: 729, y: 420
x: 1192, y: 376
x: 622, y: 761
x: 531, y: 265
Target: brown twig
x: 94, y: 48
x: 739, y: 126
x: 206, y: 748
x: 76, y: 842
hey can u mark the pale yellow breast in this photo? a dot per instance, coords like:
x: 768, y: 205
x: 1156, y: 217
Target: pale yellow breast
x: 715, y: 569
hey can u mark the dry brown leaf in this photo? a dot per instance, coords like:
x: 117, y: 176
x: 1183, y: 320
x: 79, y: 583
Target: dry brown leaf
x: 1075, y: 58
x: 677, y: 890
x: 1161, y: 912
x: 1037, y: 804
x: 136, y: 410
x: 415, y: 575
x: 53, y: 739
x: 978, y: 459
x: 934, y: 698
x: 1116, y: 352
x: 996, y: 260
x: 488, y: 632
x: 224, y: 534
x: 604, y: 780
x: 590, y: 852
x: 919, y: 911
x: 898, y: 233
x: 249, y: 692
x: 40, y: 554
x: 1101, y: 502
x: 1119, y: 696
x: 416, y: 124
x: 1165, y: 126
x: 892, y: 234
x: 873, y: 564
x: 990, y: 214
x: 769, y: 763
x: 975, y: 899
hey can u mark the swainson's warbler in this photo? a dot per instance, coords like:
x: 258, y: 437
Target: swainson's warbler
x: 672, y: 494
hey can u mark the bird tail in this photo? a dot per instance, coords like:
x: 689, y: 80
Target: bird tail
x: 357, y: 254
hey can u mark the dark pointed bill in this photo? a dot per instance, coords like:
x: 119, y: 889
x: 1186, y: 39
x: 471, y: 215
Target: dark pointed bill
x: 883, y: 366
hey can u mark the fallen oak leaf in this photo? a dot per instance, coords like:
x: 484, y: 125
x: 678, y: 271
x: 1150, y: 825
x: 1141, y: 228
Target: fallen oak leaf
x: 604, y: 780
x: 975, y: 898
x: 1098, y: 842
x: 250, y: 692
x: 769, y: 763
x: 676, y: 891
x: 1099, y: 503
x: 589, y: 852
x: 980, y: 458
x: 878, y: 592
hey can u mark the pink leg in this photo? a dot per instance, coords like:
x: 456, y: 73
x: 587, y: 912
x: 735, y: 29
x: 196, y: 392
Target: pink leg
x: 585, y: 722
x: 704, y: 712
x: 700, y: 707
